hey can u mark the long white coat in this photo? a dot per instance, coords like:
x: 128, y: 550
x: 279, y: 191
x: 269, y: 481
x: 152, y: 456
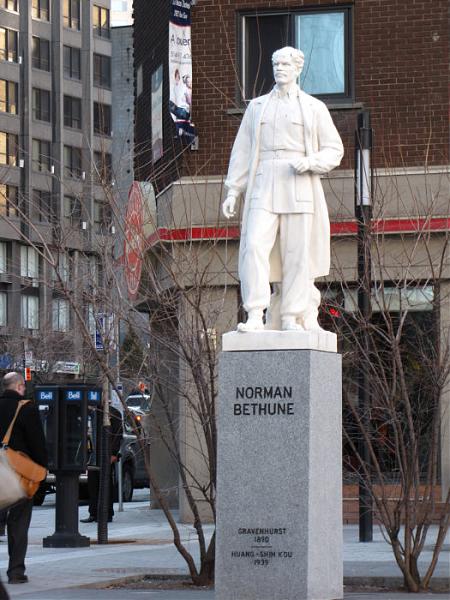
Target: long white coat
x: 324, y: 148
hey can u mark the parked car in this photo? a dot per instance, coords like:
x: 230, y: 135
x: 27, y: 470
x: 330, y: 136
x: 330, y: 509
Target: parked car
x: 134, y: 474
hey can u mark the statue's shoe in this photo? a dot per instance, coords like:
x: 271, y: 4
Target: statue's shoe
x: 290, y: 324
x: 311, y: 324
x: 251, y: 325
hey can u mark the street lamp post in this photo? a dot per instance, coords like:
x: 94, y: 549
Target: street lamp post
x: 363, y: 212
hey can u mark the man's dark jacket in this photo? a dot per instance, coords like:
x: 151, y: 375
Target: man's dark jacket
x: 27, y: 435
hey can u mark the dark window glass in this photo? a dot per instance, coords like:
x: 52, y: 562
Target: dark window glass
x: 9, y: 195
x: 102, y: 217
x: 72, y: 210
x: 100, y: 21
x: 39, y: 9
x: 102, y: 118
x: 102, y: 71
x: 41, y: 156
x: 102, y: 167
x: 9, y: 149
x: 72, y: 162
x: 71, y: 14
x: 41, y: 54
x: 72, y: 112
x: 41, y: 105
x: 72, y: 62
x: 42, y: 205
x: 263, y: 35
x: 8, y: 44
x: 8, y: 96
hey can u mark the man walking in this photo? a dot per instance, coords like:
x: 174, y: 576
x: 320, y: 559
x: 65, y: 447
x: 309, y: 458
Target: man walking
x: 286, y: 140
x: 27, y: 437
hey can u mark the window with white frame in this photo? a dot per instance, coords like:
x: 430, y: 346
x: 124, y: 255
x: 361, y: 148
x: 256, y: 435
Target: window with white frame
x: 3, y: 309
x: 29, y: 262
x: 323, y: 35
x: 60, y: 314
x: 29, y: 314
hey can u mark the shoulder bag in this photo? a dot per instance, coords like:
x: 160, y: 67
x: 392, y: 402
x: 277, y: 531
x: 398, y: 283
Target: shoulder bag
x: 27, y: 472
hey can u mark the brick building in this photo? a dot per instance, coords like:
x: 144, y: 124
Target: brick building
x: 389, y: 57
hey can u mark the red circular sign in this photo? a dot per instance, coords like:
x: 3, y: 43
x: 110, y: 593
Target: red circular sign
x: 134, y: 239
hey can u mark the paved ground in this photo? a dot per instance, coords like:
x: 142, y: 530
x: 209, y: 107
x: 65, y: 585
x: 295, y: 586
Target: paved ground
x: 141, y: 544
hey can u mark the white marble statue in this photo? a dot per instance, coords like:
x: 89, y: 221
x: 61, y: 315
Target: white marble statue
x: 286, y: 141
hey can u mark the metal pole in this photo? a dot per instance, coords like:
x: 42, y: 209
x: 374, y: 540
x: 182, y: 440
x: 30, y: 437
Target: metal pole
x: 363, y: 209
x: 120, y: 483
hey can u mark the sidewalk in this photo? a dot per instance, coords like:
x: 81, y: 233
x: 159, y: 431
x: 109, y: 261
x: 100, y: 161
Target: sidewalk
x: 141, y: 543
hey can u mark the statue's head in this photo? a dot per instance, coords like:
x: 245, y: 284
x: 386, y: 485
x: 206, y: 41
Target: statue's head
x: 287, y: 64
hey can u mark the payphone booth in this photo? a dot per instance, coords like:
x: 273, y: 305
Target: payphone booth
x: 94, y: 427
x: 68, y: 441
x: 47, y: 402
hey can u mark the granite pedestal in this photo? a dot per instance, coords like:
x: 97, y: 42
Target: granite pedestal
x: 279, y: 479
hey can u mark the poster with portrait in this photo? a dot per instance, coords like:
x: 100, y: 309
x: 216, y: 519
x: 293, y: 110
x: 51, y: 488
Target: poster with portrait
x: 157, y: 114
x: 180, y: 68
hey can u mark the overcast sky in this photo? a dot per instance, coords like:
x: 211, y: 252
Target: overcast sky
x: 121, y: 12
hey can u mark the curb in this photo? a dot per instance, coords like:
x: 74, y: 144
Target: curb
x: 438, y: 584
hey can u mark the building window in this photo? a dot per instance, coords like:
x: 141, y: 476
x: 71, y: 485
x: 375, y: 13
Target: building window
x: 8, y: 44
x: 40, y: 10
x: 60, y: 314
x: 102, y: 118
x: 72, y: 112
x: 102, y: 71
x: 62, y: 270
x: 9, y: 4
x: 3, y: 257
x: 29, y: 262
x: 41, y: 105
x: 72, y: 162
x: 102, y: 167
x: 100, y: 21
x: 30, y: 312
x: 3, y: 309
x: 324, y: 36
x: 41, y: 54
x: 42, y: 205
x: 71, y: 14
x: 72, y: 62
x: 8, y: 96
x: 41, y: 156
x: 9, y: 149
x: 102, y: 217
x: 72, y: 211
x: 9, y: 195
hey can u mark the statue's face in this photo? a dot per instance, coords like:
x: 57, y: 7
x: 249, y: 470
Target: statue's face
x: 284, y: 70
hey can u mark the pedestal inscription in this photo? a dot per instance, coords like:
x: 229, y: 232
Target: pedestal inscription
x: 279, y: 499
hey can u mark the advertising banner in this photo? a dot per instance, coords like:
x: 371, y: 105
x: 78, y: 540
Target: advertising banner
x: 180, y: 68
x: 157, y: 120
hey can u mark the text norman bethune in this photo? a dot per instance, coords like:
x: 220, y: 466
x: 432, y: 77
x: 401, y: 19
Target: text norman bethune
x: 275, y: 397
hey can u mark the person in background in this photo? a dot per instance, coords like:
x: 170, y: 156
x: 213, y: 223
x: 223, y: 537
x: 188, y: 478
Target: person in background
x: 94, y: 473
x: 28, y: 437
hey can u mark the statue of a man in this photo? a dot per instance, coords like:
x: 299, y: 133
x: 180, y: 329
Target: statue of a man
x: 286, y: 141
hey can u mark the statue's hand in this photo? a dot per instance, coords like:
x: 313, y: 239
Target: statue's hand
x: 302, y: 165
x: 228, y: 207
